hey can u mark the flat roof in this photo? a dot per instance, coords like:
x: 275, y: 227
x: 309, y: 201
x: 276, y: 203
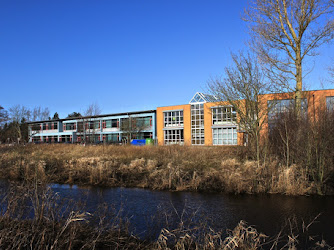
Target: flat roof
x: 292, y: 92
x: 97, y: 116
x: 174, y: 105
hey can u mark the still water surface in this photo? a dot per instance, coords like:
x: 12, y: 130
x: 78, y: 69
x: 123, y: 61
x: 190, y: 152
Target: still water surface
x: 147, y: 209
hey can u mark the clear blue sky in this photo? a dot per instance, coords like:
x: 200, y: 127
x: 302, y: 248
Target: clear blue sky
x: 126, y: 55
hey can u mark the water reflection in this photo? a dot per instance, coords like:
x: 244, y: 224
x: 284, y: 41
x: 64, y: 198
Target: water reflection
x: 149, y: 211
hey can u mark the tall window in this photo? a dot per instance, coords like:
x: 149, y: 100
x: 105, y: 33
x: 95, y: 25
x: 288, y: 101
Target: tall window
x: 221, y: 115
x: 36, y: 139
x: 69, y: 126
x: 111, y: 137
x: 80, y: 127
x: 225, y: 136
x: 93, y: 125
x: 279, y: 107
x: 50, y: 125
x: 112, y: 123
x: 143, y: 122
x: 330, y: 103
x: 93, y: 137
x: 36, y: 127
x: 173, y: 136
x: 88, y: 125
x: 55, y: 125
x: 173, y: 118
x: 65, y: 138
x: 197, y: 124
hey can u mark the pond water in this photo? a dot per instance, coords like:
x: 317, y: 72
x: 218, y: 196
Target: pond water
x: 148, y: 211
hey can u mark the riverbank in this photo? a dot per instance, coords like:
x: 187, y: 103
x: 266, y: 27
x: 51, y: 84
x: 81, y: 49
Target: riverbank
x: 37, y: 217
x: 177, y: 168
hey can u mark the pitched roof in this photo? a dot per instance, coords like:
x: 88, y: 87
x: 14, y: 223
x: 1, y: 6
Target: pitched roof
x: 201, y: 97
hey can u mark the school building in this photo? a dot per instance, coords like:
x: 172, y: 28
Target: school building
x: 110, y: 128
x: 203, y: 121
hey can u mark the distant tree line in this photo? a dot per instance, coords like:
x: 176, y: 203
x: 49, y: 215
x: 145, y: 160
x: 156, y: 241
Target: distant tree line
x: 13, y: 122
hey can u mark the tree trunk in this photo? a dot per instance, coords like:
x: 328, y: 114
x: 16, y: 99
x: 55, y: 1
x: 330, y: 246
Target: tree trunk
x: 299, y: 85
x: 257, y: 149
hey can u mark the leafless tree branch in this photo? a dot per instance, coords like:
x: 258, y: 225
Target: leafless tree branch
x: 284, y: 32
x: 243, y: 87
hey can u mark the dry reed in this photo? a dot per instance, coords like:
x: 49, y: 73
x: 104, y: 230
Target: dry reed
x: 209, y: 169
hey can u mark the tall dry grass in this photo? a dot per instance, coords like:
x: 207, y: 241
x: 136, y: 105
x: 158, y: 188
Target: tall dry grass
x: 209, y: 169
x: 33, y: 217
x: 305, y: 147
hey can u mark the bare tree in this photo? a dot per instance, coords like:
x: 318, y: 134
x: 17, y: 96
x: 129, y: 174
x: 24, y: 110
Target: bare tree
x: 131, y: 127
x: 242, y: 87
x: 40, y: 114
x: 284, y: 32
x: 331, y: 72
x: 92, y: 110
x: 19, y: 114
x: 3, y: 116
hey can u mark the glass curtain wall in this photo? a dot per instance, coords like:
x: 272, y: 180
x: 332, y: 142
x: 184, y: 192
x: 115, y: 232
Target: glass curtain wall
x: 280, y: 107
x: 173, y: 136
x: 173, y: 120
x: 225, y: 136
x: 225, y: 130
x: 197, y: 124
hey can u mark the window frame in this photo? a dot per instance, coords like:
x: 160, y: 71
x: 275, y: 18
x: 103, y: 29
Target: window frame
x: 275, y: 112
x: 218, y: 135
x: 173, y: 118
x: 227, y: 117
x: 330, y: 103
x: 197, y: 124
x: 173, y: 136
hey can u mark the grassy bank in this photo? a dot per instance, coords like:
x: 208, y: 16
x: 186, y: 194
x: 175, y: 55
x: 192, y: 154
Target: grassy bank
x: 213, y: 169
x: 33, y: 217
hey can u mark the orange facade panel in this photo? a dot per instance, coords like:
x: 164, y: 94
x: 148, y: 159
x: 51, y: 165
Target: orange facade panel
x: 208, y: 123
x: 316, y: 99
x: 186, y: 121
x: 316, y: 102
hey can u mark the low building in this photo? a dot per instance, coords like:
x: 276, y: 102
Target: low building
x: 203, y: 121
x: 110, y: 128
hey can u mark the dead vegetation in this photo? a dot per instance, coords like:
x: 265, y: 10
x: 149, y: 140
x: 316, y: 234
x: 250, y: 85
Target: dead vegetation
x: 304, y: 147
x: 34, y: 217
x: 178, y: 168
